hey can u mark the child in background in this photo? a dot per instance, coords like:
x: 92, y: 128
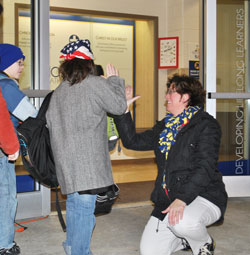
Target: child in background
x: 20, y: 108
x: 8, y: 139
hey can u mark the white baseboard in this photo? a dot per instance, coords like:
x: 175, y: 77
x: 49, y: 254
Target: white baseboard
x: 237, y: 186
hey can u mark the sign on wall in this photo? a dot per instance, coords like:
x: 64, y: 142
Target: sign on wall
x: 194, y: 69
x: 168, y: 52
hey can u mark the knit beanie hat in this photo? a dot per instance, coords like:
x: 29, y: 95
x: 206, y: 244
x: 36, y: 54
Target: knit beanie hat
x: 9, y: 54
x: 79, y: 49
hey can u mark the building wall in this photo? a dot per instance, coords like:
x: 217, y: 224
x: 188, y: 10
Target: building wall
x: 183, y: 21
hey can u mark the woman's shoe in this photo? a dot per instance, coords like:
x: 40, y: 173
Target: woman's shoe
x: 207, y: 249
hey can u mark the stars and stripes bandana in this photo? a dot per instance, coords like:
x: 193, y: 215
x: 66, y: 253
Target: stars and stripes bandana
x: 79, y: 49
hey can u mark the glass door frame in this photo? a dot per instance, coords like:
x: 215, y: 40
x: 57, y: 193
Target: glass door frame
x: 37, y: 203
x: 236, y: 186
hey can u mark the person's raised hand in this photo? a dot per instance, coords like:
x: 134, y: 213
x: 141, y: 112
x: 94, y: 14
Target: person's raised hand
x: 129, y: 96
x: 111, y: 70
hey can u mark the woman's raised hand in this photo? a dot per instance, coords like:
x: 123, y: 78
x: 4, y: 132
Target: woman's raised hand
x: 129, y: 96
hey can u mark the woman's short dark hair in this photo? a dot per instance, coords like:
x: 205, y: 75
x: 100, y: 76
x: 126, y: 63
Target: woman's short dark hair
x: 76, y: 70
x: 184, y: 84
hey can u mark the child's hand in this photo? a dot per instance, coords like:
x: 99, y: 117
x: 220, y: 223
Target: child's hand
x: 111, y: 70
x: 13, y: 157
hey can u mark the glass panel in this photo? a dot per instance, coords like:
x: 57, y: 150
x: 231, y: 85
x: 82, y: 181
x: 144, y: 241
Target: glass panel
x: 232, y: 76
x: 111, y: 40
x: 232, y: 116
x: 116, y: 39
x: 23, y: 40
x: 16, y: 29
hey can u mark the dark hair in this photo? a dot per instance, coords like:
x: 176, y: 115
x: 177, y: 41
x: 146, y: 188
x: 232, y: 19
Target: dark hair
x: 99, y: 70
x: 76, y: 70
x: 184, y: 84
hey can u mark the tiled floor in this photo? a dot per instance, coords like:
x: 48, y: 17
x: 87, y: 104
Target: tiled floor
x: 119, y: 232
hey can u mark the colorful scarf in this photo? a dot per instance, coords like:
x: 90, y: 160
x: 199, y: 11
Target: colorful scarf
x: 173, y: 124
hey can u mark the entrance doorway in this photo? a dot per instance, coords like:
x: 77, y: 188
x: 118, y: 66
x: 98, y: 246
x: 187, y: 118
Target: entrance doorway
x: 226, y: 76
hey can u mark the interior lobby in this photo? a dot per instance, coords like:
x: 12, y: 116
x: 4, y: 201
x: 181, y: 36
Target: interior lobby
x: 206, y: 39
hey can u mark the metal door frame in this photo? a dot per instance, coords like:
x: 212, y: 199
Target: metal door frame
x: 37, y: 203
x: 236, y: 186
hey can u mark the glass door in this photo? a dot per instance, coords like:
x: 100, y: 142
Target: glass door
x: 226, y: 76
x: 28, y: 28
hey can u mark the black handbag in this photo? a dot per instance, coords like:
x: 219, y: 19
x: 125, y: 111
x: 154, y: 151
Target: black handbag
x: 105, y: 200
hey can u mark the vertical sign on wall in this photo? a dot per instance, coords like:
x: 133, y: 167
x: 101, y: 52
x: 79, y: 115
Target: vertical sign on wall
x: 194, y: 69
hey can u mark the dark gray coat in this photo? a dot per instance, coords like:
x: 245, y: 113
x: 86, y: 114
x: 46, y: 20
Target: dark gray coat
x: 77, y: 122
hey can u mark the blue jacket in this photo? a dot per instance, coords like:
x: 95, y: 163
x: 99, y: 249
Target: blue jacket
x: 18, y: 104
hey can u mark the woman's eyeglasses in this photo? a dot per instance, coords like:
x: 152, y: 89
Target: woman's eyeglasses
x: 170, y: 92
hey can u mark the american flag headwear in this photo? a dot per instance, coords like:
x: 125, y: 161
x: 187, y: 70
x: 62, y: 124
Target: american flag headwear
x: 79, y: 49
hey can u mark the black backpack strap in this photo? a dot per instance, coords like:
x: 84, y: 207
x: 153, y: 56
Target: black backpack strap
x: 44, y: 106
x: 41, y: 115
x: 59, y: 212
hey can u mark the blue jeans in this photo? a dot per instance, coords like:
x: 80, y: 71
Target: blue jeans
x: 8, y: 202
x: 80, y: 221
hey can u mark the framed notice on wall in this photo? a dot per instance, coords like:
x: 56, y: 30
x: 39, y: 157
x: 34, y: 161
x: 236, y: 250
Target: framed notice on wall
x: 168, y: 52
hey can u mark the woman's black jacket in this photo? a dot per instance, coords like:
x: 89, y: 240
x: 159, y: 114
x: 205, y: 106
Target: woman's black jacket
x: 191, y: 166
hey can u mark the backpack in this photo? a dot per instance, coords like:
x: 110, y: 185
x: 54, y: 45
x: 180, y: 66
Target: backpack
x: 36, y: 153
x: 35, y: 147
x: 37, y: 157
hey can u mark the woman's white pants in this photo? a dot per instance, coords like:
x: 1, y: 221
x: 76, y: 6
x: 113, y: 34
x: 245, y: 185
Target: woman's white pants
x: 159, y: 238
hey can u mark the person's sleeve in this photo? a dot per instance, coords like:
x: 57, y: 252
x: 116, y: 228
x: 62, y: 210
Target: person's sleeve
x: 18, y: 103
x: 143, y: 141
x: 204, y: 164
x: 8, y: 139
x: 111, y: 94
x: 24, y: 109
